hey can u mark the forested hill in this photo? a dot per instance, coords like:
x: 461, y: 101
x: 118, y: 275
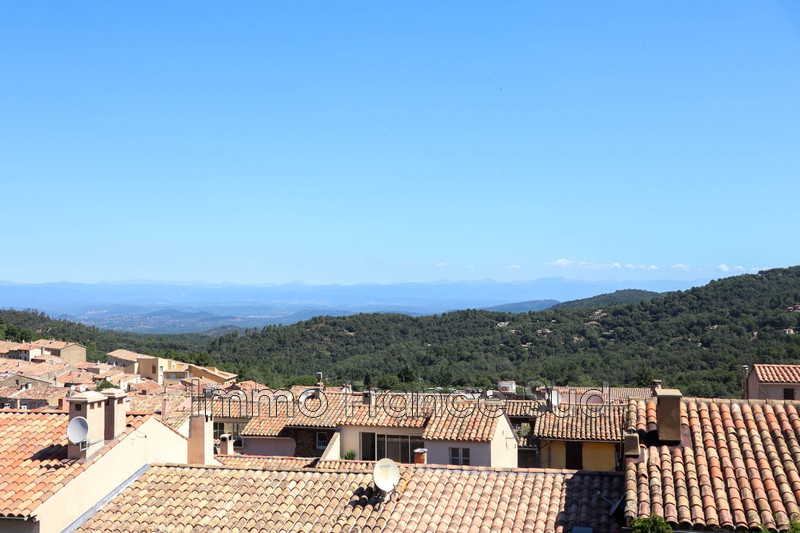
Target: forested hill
x: 695, y: 340
x: 523, y: 307
x: 625, y: 296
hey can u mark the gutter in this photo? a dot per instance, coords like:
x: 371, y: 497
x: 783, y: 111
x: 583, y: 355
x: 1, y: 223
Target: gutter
x: 103, y: 501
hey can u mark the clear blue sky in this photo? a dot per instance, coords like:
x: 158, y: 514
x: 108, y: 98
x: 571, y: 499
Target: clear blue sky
x: 340, y: 142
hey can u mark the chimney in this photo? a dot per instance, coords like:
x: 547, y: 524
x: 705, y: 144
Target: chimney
x: 201, y: 439
x: 369, y: 398
x: 62, y: 404
x: 226, y: 444
x: 655, y: 385
x: 668, y: 414
x: 89, y: 405
x: 164, y: 407
x: 320, y: 383
x: 115, y: 412
x: 420, y: 456
x: 631, y: 445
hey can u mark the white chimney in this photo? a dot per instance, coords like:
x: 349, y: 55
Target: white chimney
x: 226, y: 444
x: 89, y: 405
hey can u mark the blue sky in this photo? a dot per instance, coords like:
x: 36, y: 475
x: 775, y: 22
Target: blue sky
x: 343, y: 142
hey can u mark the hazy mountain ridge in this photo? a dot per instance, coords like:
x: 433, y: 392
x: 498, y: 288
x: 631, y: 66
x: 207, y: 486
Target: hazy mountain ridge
x: 144, y: 306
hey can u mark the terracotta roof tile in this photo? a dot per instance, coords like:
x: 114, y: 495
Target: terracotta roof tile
x: 33, y: 456
x: 737, y: 466
x: 428, y: 498
x: 777, y: 373
x: 464, y: 421
x: 582, y: 422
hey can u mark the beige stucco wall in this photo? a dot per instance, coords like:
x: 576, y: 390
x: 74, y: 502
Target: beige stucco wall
x: 146, y: 368
x: 152, y: 442
x: 334, y: 450
x: 202, y: 373
x: 769, y: 391
x: 599, y: 456
x: 73, y: 354
x: 480, y: 453
x: 504, y: 445
x: 282, y: 446
x: 351, y: 436
x: 553, y: 454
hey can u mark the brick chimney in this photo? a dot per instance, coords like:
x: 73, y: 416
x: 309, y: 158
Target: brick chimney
x: 201, y: 439
x: 420, y: 456
x: 115, y: 412
x: 668, y: 413
x: 91, y: 406
x: 226, y: 444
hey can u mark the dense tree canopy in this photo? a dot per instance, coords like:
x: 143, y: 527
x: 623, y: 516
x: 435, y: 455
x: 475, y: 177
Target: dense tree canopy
x: 695, y: 340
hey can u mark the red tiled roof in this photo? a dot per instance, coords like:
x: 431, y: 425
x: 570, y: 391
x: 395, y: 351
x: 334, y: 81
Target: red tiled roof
x: 146, y: 403
x: 267, y: 462
x: 618, y: 395
x: 8, y: 391
x: 777, y: 373
x: 582, y: 422
x: 737, y: 466
x: 77, y: 377
x: 33, y: 458
x: 464, y: 423
x: 147, y: 386
x: 428, y: 498
x: 42, y: 393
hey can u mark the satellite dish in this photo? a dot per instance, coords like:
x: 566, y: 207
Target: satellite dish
x: 77, y: 430
x: 386, y: 474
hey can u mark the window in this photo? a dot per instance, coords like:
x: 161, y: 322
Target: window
x: 459, y: 456
x: 788, y: 394
x: 322, y: 440
x: 398, y: 448
x: 368, y: 446
x: 232, y: 428
x: 574, y: 452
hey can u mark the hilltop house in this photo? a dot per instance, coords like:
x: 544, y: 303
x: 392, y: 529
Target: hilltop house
x: 773, y: 382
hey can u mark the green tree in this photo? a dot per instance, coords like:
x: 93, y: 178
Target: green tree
x: 105, y: 384
x: 651, y: 524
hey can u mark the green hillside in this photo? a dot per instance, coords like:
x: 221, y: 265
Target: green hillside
x: 625, y: 296
x: 523, y: 307
x: 695, y: 340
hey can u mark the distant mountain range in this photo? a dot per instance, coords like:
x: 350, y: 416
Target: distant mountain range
x: 154, y: 307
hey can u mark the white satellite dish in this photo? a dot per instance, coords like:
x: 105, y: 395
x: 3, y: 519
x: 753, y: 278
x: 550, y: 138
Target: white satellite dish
x: 77, y: 430
x: 386, y: 475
